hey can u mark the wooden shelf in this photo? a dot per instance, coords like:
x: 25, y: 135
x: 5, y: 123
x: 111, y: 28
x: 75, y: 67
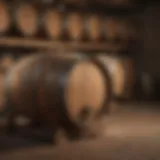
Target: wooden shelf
x: 46, y: 44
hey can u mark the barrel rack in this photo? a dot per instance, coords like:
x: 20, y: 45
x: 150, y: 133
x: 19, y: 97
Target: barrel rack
x: 46, y: 44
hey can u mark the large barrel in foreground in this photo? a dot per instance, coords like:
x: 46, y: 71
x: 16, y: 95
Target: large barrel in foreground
x: 121, y: 71
x: 58, y: 90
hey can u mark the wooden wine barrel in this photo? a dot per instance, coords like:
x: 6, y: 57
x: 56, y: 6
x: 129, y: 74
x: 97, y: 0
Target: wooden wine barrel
x: 5, y: 19
x: 110, y: 29
x: 53, y: 24
x: 27, y: 20
x: 121, y: 70
x: 58, y: 90
x: 93, y: 27
x: 75, y: 26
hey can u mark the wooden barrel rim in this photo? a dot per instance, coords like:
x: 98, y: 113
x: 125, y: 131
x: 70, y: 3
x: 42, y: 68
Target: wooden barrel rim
x: 64, y: 111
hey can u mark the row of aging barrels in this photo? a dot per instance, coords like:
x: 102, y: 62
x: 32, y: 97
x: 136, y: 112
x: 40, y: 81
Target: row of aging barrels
x: 66, y: 90
x: 28, y: 21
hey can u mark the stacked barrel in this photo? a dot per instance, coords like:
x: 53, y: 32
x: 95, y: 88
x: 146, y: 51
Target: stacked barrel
x: 26, y: 20
x: 122, y: 74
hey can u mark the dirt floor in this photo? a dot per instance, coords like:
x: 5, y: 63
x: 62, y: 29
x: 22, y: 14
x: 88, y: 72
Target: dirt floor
x: 100, y: 149
x: 132, y: 133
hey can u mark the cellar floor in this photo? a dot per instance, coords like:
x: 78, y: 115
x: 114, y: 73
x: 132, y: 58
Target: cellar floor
x: 131, y: 132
